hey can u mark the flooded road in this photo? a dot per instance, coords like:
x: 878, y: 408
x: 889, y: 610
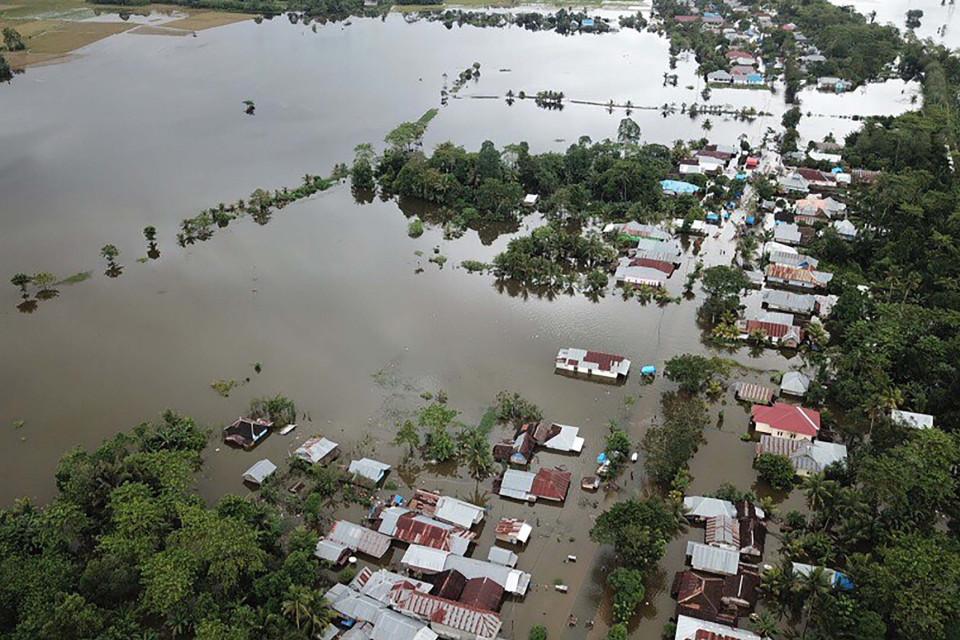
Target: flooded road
x: 329, y: 297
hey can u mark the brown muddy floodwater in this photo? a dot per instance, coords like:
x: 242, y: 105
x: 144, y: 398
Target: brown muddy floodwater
x: 329, y: 296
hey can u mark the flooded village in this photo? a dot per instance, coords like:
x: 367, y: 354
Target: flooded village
x: 569, y: 354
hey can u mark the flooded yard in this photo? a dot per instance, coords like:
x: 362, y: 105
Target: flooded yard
x: 330, y: 297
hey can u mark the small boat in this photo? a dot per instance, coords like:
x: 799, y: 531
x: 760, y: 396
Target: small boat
x: 287, y: 429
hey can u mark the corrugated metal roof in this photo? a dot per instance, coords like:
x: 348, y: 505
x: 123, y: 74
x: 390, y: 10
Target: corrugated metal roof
x: 463, y: 514
x: 723, y: 531
x: 369, y: 469
x: 476, y: 622
x: 703, y: 507
x: 911, y: 419
x: 688, y: 628
x: 499, y: 555
x: 425, y: 559
x: 794, y: 383
x: 315, y: 449
x: 359, y: 538
x: 260, y: 471
x: 512, y: 580
x: 513, y: 530
x: 329, y: 550
x: 756, y: 393
x: 713, y: 559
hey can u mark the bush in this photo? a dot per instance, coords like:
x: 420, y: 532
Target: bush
x: 775, y: 470
x: 415, y: 228
x: 538, y: 632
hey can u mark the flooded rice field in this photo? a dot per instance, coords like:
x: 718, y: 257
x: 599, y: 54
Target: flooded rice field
x: 330, y: 297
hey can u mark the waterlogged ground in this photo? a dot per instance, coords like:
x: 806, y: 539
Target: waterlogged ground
x: 329, y: 297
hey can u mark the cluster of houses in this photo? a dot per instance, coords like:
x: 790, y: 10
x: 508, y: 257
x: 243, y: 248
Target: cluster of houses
x: 443, y: 592
x: 720, y: 586
x: 744, y: 71
x: 652, y: 256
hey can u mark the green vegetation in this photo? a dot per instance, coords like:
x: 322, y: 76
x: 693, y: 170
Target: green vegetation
x: 538, y: 632
x: 415, y: 228
x: 279, y: 410
x: 775, y: 470
x: 6, y: 73
x: 723, y: 285
x: 514, y: 409
x: 669, y: 447
x: 695, y: 373
x: 12, y: 40
x: 110, y: 253
x: 128, y: 550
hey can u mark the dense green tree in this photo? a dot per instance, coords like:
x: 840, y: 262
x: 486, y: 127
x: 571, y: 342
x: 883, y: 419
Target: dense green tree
x: 776, y: 470
x: 668, y: 447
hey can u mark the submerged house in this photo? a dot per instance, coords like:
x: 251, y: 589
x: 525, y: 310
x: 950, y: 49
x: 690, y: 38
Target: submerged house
x: 447, y: 509
x: 347, y: 535
x: 318, y: 450
x: 754, y: 393
x: 414, y: 528
x: 246, y: 432
x: 807, y: 458
x: 546, y: 484
x: 794, y: 383
x: 448, y: 618
x: 714, y: 598
x: 513, y: 531
x: 368, y: 472
x: 592, y: 363
x: 688, y: 628
x: 788, y: 302
x: 785, y: 275
x: 259, y: 472
x: 786, y: 421
x: 635, y: 271
x: 782, y: 333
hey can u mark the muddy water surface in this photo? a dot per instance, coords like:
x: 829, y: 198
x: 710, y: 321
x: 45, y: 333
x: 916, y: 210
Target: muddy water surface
x: 329, y: 296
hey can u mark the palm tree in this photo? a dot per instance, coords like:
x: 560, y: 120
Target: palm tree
x: 814, y: 587
x: 765, y: 625
x: 475, y: 452
x: 818, y: 490
x: 297, y: 605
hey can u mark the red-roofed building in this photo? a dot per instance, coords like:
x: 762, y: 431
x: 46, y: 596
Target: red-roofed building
x: 416, y: 529
x: 551, y: 484
x: 686, y: 19
x: 482, y: 593
x: 786, y: 421
x: 447, y: 618
x: 784, y: 335
x: 666, y: 267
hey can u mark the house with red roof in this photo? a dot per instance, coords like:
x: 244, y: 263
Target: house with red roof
x: 786, y: 421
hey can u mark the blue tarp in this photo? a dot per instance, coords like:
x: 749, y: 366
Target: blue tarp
x: 586, y: 22
x: 713, y: 217
x: 836, y: 170
x: 678, y: 186
x: 741, y: 176
x: 648, y: 370
x: 751, y: 220
x: 602, y: 458
x: 842, y: 581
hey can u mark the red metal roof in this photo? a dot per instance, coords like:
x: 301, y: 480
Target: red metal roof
x: 788, y: 417
x: 772, y: 329
x: 482, y: 593
x: 792, y: 274
x: 471, y: 620
x: 703, y: 634
x: 659, y: 265
x: 551, y: 484
x: 686, y: 19
x: 415, y: 531
x: 605, y: 361
x: 815, y: 175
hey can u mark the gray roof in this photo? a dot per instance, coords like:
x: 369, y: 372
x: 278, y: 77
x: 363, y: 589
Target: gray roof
x: 378, y: 585
x: 315, y: 449
x: 786, y: 232
x: 369, y: 469
x: 391, y: 625
x: 505, y: 557
x: 516, y: 484
x: 794, y: 383
x: 359, y: 538
x: 713, y: 559
x: 793, y: 259
x: 329, y: 550
x: 703, y: 507
x: 455, y: 511
x: 845, y: 228
x: 512, y: 580
x: 425, y: 559
x: 260, y: 471
x: 787, y: 301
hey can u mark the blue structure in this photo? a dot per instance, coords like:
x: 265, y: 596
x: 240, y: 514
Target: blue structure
x: 713, y: 218
x: 586, y: 23
x: 602, y: 457
x: 648, y: 370
x: 836, y: 170
x: 678, y: 187
x: 755, y: 78
x: 751, y: 220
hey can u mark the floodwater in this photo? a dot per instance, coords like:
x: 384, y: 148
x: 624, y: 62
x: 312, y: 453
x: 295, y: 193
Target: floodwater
x: 937, y: 14
x: 329, y: 296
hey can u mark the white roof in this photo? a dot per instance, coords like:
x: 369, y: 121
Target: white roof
x: 794, y: 383
x: 826, y: 453
x: 687, y: 628
x: 455, y: 511
x: 425, y: 559
x: 391, y: 625
x: 516, y: 484
x: 359, y: 538
x: 713, y: 559
x: 260, y: 471
x: 389, y: 518
x: 845, y: 228
x: 512, y: 580
x: 505, y: 557
x: 787, y: 232
x: 771, y: 247
x: 329, y: 550
x: 531, y: 198
x: 703, y: 507
x: 567, y: 440
x: 316, y: 449
x: 910, y: 419
x: 369, y: 469
x: 378, y: 585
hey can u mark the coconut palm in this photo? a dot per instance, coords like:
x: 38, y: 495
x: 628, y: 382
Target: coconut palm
x: 475, y: 452
x: 298, y: 605
x: 44, y: 282
x: 813, y: 587
x: 21, y: 280
x: 818, y: 490
x: 765, y: 625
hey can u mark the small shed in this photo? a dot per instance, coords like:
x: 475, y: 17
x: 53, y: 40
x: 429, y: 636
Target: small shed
x: 754, y: 393
x: 795, y: 384
x: 505, y: 557
x: 259, y: 472
x: 531, y: 200
x: 513, y: 531
x: 367, y: 471
x: 246, y: 432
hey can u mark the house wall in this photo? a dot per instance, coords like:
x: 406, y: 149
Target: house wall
x: 763, y: 427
